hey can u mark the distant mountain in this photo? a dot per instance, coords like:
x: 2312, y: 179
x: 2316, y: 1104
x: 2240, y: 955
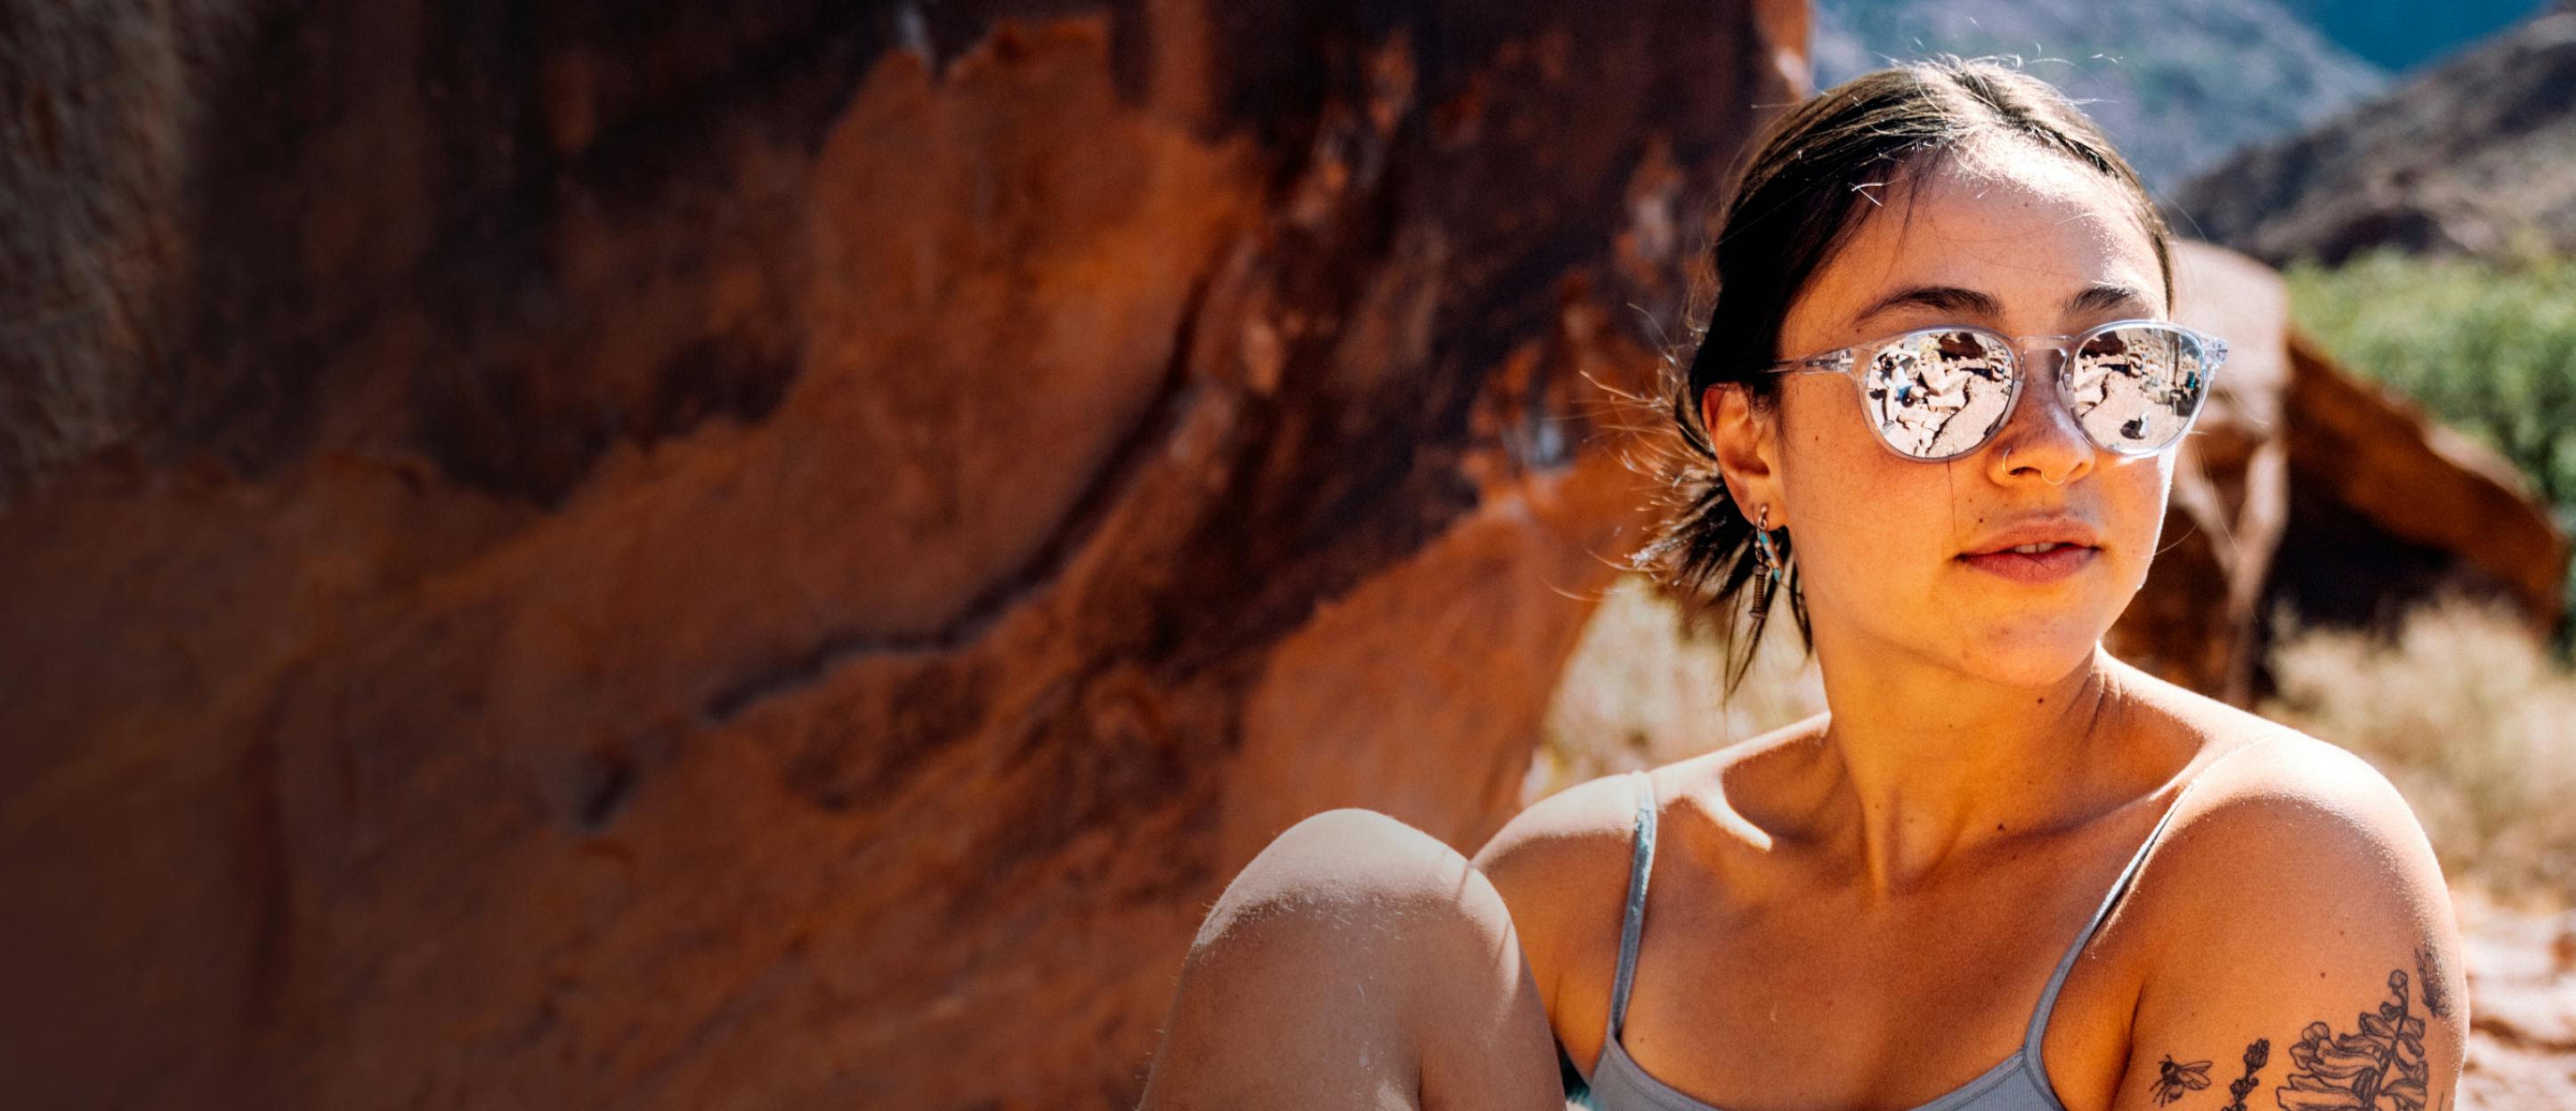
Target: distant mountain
x: 2399, y: 35
x: 2476, y: 156
x: 2178, y: 85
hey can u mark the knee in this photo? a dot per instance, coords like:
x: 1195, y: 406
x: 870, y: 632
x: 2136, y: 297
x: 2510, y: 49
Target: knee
x: 1353, y: 937
x: 1349, y: 884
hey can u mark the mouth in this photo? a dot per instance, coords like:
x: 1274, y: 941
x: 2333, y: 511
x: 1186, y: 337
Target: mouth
x: 2045, y: 561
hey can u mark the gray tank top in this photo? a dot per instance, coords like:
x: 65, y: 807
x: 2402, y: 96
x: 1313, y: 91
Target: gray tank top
x: 2016, y: 1083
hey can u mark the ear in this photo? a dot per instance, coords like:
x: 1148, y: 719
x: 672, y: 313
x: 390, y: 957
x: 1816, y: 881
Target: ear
x: 1748, y: 450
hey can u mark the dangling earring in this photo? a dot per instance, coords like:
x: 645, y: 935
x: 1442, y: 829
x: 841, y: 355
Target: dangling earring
x: 1766, y: 556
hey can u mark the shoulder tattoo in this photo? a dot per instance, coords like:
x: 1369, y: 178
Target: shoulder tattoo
x: 2378, y: 1064
x: 2256, y: 1056
x: 2432, y: 980
x: 2379, y: 1067
x: 2173, y: 1079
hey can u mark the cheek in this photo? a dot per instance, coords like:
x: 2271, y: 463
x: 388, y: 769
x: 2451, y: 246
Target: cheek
x: 2135, y: 493
x: 1866, y: 520
x: 1826, y: 437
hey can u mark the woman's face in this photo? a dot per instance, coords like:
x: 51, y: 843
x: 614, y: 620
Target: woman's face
x: 1905, y: 556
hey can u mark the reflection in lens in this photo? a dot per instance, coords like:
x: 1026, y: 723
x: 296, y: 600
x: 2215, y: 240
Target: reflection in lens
x: 1940, y: 393
x: 2135, y: 389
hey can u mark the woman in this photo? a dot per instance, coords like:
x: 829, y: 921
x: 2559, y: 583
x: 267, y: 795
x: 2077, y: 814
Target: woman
x: 2004, y: 871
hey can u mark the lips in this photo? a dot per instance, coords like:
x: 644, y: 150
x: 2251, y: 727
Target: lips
x: 2049, y: 565
x: 2072, y: 531
x: 2041, y: 551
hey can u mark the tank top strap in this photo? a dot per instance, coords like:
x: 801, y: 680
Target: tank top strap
x: 2110, y: 901
x: 1641, y: 867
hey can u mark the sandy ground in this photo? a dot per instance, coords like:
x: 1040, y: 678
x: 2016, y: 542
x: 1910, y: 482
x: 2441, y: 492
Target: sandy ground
x: 2522, y: 1008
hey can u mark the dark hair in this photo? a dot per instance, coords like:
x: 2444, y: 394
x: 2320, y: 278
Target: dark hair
x: 1799, y: 198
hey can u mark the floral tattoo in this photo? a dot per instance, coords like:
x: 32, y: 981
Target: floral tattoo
x: 2256, y: 1056
x: 2380, y: 1068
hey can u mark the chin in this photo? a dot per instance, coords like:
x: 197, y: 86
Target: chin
x: 2030, y: 653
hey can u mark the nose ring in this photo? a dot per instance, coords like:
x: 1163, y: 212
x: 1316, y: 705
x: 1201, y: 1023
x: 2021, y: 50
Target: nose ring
x: 2043, y: 477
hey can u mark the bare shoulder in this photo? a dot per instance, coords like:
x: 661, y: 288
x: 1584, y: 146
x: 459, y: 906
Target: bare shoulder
x: 2287, y: 818
x: 2271, y: 813
x: 1562, y: 865
x: 1563, y: 861
x: 1577, y: 841
x: 2266, y: 797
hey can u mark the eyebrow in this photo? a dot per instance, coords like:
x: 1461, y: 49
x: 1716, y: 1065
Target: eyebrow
x: 2100, y: 297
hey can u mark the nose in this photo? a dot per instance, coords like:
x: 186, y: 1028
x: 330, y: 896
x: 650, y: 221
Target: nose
x: 2039, y: 442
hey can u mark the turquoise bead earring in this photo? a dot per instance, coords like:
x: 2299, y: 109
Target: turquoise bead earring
x: 1766, y: 555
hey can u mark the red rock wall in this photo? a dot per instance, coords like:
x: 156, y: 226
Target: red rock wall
x: 2396, y: 506
x: 773, y: 555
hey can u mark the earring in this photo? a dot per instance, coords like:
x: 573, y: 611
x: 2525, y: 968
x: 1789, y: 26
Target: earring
x: 1766, y: 555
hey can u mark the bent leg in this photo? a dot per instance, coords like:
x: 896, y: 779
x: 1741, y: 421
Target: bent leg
x: 1357, y: 962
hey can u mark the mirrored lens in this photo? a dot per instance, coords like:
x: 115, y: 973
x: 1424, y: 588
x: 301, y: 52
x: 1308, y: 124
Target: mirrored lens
x: 2135, y: 389
x: 1940, y: 393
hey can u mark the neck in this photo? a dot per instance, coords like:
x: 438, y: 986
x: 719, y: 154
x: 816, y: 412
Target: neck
x: 1933, y: 763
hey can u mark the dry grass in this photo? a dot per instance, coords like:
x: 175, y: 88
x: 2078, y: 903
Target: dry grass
x: 2471, y: 717
x: 1638, y: 693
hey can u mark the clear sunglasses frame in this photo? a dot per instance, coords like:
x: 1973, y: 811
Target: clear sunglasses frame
x: 1846, y: 361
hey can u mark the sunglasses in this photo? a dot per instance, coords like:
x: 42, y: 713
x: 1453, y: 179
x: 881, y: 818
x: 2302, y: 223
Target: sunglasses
x: 1936, y: 394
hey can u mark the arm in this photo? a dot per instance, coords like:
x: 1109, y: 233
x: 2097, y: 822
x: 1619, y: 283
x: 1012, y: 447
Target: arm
x: 2309, y: 962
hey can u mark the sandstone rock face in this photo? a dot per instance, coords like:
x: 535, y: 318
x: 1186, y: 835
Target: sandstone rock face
x: 2393, y: 507
x: 779, y: 554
